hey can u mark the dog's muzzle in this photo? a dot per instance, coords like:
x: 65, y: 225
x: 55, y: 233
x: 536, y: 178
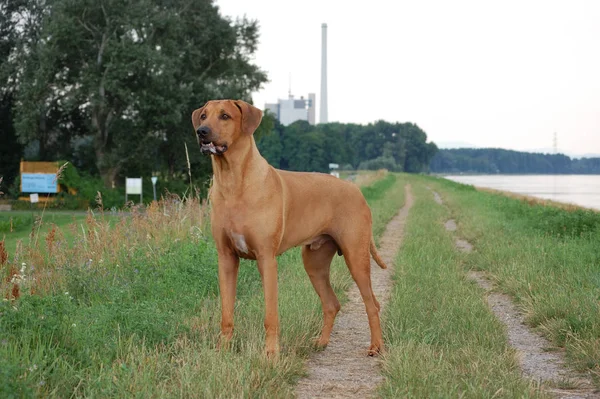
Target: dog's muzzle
x: 211, y: 148
x: 207, y: 146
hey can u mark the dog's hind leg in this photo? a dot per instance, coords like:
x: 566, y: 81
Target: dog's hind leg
x: 359, y: 263
x: 317, y: 263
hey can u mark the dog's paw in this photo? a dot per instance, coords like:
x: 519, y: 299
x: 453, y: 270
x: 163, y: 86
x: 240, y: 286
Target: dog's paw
x: 224, y: 343
x: 320, y: 343
x: 375, y: 349
x: 272, y: 355
x: 272, y: 348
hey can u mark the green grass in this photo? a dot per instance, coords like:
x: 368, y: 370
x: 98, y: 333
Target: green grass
x: 547, y: 259
x: 17, y: 225
x: 385, y: 197
x: 442, y: 339
x: 133, y: 311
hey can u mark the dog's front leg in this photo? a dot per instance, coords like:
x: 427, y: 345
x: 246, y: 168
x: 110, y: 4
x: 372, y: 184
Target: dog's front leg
x: 228, y: 271
x: 267, y: 266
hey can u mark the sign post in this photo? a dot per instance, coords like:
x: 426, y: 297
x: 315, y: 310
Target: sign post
x: 33, y: 199
x: 154, y: 180
x: 334, y: 172
x: 133, y: 185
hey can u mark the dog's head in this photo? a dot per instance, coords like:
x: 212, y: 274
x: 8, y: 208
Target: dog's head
x: 220, y: 123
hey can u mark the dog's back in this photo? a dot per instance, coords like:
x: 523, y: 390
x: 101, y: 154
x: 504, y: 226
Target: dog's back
x: 318, y: 203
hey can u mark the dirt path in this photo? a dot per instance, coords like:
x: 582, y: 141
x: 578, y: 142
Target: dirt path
x: 537, y: 363
x: 343, y: 369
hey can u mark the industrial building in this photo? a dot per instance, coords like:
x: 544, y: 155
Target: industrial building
x: 290, y: 110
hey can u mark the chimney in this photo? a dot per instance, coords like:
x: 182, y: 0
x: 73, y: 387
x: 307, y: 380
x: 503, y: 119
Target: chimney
x: 311, y: 108
x: 323, y: 118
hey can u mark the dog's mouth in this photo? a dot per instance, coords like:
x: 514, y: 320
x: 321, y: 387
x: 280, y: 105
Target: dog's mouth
x: 210, y: 148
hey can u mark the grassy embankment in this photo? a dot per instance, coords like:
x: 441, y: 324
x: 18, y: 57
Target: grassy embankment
x: 132, y: 309
x: 547, y: 258
x: 443, y: 340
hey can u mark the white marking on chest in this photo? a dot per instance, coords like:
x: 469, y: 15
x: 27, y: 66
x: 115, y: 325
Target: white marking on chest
x: 240, y: 242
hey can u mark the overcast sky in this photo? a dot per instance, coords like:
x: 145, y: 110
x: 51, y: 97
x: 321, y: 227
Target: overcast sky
x: 491, y: 74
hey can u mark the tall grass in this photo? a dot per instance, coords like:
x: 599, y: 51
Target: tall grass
x: 132, y: 309
x: 442, y: 339
x: 100, y: 245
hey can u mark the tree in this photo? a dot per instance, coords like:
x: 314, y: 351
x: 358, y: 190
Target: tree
x: 136, y: 70
x: 268, y: 139
x: 10, y: 150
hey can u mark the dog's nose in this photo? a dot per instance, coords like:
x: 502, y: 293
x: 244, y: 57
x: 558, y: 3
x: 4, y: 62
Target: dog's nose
x: 203, y: 131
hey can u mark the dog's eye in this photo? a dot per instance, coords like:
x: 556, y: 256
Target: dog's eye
x: 224, y: 117
x: 203, y: 116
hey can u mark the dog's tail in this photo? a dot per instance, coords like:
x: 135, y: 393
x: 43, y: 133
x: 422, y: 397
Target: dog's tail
x: 375, y: 255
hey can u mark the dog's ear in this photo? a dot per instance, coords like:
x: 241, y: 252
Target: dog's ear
x: 196, y: 116
x: 251, y: 116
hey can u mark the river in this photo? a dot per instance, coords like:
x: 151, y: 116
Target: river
x: 582, y: 190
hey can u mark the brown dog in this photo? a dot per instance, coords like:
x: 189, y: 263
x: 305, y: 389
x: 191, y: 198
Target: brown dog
x: 259, y: 212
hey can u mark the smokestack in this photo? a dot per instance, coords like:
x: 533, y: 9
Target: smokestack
x: 311, y: 108
x: 323, y: 109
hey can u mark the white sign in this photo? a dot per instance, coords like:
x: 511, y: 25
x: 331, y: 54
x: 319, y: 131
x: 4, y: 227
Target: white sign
x: 154, y: 180
x: 133, y: 185
x: 34, y: 198
x: 333, y: 166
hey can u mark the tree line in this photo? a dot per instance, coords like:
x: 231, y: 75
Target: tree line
x: 110, y: 86
x: 380, y: 145
x: 495, y: 160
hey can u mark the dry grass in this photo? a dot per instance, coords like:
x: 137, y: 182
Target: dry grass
x: 367, y: 177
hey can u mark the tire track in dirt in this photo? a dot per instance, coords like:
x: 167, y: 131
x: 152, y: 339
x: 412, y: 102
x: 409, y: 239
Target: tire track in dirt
x: 343, y: 369
x: 537, y: 363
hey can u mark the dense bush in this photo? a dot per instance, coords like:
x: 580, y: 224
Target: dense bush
x: 382, y: 162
